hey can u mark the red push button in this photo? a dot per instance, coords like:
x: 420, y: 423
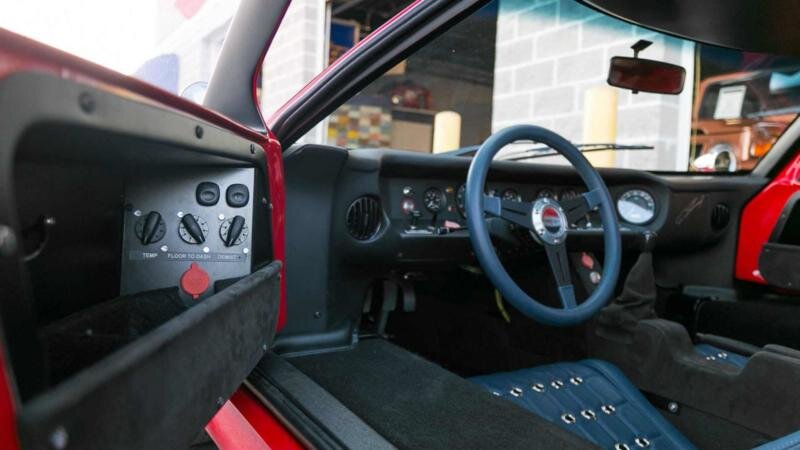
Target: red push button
x: 194, y: 281
x: 587, y: 261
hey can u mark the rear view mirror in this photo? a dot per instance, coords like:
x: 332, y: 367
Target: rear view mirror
x: 646, y: 75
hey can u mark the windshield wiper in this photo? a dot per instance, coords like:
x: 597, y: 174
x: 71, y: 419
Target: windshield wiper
x: 540, y: 152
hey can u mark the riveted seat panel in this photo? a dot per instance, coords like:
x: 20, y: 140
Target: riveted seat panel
x: 592, y: 399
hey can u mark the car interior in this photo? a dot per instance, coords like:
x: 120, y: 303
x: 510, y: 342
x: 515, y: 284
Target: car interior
x: 451, y: 300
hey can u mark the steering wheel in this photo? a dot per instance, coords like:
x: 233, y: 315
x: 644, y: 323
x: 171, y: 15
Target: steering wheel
x: 548, y: 220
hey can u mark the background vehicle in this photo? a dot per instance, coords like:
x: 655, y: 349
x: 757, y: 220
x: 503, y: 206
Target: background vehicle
x: 736, y: 139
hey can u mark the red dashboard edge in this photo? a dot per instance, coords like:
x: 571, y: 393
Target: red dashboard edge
x: 759, y: 218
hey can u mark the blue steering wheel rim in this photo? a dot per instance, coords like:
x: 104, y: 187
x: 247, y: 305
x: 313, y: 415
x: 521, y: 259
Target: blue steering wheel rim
x: 482, y: 243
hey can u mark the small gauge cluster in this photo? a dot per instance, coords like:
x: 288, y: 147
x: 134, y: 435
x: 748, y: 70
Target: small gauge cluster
x: 635, y: 206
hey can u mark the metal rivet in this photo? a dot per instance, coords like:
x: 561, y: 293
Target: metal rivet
x: 221, y: 217
x: 538, y: 387
x: 558, y: 384
x: 516, y: 392
x: 180, y: 214
x: 608, y: 409
x: 710, y: 358
x: 673, y: 407
x: 137, y: 213
x: 206, y: 249
x: 164, y: 248
x: 621, y: 446
x: 722, y: 355
x: 496, y: 393
x: 568, y: 418
x: 576, y: 380
x: 588, y: 414
x: 87, y: 102
x: 245, y: 250
x: 642, y: 442
x: 59, y: 439
x: 198, y: 131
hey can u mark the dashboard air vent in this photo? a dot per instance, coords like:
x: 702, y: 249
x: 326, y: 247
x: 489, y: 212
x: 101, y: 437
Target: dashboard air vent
x: 720, y: 216
x: 364, y: 218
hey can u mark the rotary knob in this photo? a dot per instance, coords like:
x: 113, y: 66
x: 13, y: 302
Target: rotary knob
x: 233, y: 231
x: 193, y: 229
x: 150, y: 228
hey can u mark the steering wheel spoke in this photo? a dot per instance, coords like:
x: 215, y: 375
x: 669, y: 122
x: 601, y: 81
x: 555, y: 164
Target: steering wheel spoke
x: 577, y: 208
x: 559, y: 264
x: 510, y: 210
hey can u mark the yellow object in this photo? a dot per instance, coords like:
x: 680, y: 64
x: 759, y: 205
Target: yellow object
x: 501, y: 307
x: 446, y: 131
x: 600, y: 123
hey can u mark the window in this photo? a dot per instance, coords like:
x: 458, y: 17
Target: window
x: 546, y: 63
x: 170, y: 43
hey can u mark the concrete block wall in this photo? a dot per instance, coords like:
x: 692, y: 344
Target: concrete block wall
x: 549, y: 52
x: 297, y: 54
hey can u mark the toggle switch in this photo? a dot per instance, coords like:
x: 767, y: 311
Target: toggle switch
x: 237, y: 195
x: 207, y: 193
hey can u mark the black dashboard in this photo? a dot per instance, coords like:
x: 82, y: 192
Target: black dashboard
x: 423, y: 198
x: 356, y: 216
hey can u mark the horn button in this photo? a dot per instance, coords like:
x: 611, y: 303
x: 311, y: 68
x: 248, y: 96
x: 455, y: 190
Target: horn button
x: 549, y: 221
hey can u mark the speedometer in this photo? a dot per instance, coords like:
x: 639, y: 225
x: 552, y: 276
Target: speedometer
x: 636, y: 207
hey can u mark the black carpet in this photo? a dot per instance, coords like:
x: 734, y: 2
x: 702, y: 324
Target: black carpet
x: 414, y: 403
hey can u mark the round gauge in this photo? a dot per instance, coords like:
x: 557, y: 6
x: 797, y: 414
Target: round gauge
x: 511, y: 194
x: 433, y: 199
x: 636, y: 206
x: 460, y: 198
x: 568, y: 194
x: 546, y: 193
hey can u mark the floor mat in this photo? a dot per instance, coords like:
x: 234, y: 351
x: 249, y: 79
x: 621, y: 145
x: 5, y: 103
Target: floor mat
x: 414, y: 403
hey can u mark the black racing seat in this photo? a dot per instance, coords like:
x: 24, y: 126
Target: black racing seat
x: 596, y: 401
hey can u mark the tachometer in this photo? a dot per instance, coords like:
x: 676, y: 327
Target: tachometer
x: 636, y: 206
x: 433, y: 199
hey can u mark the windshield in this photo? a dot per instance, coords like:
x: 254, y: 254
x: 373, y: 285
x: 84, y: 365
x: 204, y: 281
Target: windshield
x: 546, y: 63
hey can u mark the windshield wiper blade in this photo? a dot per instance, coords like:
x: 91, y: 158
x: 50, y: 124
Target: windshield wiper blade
x: 540, y: 152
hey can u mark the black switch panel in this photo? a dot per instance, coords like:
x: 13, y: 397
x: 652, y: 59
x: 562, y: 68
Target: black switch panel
x: 207, y: 193
x: 217, y: 238
x: 237, y: 195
